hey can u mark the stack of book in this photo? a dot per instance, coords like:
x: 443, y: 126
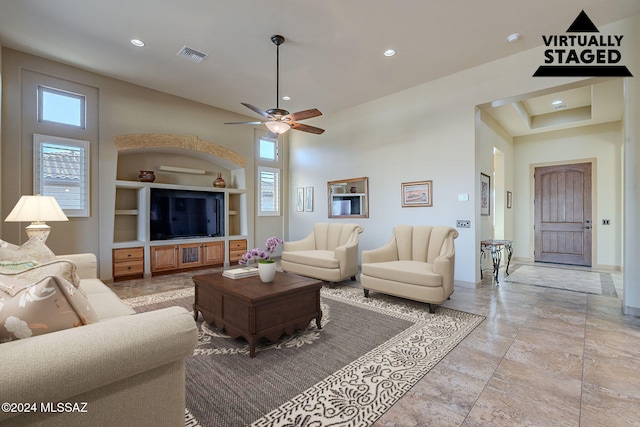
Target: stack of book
x: 239, y: 273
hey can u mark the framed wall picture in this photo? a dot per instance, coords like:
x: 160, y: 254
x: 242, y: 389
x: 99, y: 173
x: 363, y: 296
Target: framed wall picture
x: 418, y: 193
x: 300, y: 200
x: 485, y: 194
x: 308, y: 199
x: 509, y: 199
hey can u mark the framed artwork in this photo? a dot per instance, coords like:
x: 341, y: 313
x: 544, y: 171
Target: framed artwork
x: 308, y: 199
x: 485, y: 194
x: 509, y: 199
x: 300, y: 200
x: 418, y: 193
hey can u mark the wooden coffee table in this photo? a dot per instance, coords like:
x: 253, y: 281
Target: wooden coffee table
x: 251, y: 309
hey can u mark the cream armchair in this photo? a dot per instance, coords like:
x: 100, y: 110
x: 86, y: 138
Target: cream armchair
x: 416, y: 263
x: 329, y: 253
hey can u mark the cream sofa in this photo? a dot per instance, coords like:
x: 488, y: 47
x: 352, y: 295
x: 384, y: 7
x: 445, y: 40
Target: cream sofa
x: 128, y: 368
x: 416, y: 263
x: 329, y: 253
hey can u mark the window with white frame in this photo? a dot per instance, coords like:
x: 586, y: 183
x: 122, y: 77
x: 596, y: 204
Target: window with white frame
x: 268, y: 149
x: 62, y: 107
x: 269, y: 191
x: 61, y: 170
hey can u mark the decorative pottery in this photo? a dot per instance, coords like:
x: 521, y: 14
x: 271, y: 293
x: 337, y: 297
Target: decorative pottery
x: 146, y: 176
x: 352, y: 189
x: 219, y: 181
x: 267, y: 271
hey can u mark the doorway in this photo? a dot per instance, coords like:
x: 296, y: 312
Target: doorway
x: 562, y: 204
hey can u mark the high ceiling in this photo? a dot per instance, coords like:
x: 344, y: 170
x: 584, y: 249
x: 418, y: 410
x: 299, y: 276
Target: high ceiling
x: 332, y: 58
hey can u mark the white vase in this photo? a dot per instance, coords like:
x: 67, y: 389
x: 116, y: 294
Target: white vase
x: 267, y: 271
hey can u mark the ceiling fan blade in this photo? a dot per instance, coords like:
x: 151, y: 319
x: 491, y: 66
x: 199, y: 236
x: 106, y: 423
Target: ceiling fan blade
x: 306, y: 114
x: 272, y: 135
x: 306, y: 128
x: 257, y: 110
x: 244, y: 123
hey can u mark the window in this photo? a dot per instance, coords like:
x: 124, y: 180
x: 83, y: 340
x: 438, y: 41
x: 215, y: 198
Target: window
x: 61, y: 170
x: 269, y: 191
x: 58, y: 106
x: 268, y: 149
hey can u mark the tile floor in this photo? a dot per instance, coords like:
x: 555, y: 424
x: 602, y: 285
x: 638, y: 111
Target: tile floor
x: 543, y: 357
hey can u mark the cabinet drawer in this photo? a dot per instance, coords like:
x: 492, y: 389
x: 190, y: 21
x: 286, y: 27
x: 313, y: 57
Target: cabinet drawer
x: 236, y: 255
x: 238, y: 245
x: 128, y: 254
x: 127, y: 268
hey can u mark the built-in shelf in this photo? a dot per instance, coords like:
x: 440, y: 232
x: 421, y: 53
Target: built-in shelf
x: 131, y: 220
x: 176, y: 167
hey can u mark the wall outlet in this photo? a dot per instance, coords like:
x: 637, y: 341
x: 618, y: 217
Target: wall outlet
x: 606, y: 222
x: 463, y: 223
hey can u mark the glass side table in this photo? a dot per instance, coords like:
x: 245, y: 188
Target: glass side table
x: 495, y: 248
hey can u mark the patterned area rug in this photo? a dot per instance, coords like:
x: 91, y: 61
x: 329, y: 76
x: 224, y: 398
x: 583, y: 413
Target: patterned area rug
x: 590, y: 282
x: 367, y: 355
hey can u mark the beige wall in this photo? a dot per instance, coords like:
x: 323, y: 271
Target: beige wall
x: 123, y: 109
x: 490, y: 135
x: 599, y: 144
x: 426, y: 132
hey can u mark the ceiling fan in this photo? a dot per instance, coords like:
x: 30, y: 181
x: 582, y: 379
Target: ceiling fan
x: 277, y: 120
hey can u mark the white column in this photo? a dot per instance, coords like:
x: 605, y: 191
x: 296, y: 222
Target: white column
x: 631, y: 294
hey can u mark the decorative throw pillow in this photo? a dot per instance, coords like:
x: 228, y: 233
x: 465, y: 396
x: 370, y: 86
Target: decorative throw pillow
x: 49, y: 305
x: 4, y: 244
x: 13, y: 266
x: 33, y: 250
x: 59, y: 267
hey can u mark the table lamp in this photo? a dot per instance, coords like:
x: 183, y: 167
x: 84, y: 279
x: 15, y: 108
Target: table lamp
x: 37, y: 209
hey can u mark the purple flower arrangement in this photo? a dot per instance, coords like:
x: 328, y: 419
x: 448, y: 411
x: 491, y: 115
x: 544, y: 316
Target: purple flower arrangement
x: 261, y: 256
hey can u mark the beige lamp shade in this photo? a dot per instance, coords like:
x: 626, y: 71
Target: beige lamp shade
x: 37, y: 209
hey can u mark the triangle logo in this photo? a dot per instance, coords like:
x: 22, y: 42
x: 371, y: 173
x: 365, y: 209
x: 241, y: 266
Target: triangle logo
x: 582, y: 55
x: 582, y: 24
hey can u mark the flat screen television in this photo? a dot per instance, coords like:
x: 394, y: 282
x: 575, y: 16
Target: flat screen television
x: 181, y: 214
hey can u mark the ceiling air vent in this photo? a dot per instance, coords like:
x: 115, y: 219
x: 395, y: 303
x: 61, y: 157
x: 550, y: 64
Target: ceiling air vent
x: 191, y: 54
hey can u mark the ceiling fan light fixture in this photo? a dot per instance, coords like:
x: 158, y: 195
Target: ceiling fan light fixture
x: 277, y: 127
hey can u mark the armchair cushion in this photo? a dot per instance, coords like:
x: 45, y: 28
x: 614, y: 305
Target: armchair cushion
x: 412, y: 272
x: 322, y: 259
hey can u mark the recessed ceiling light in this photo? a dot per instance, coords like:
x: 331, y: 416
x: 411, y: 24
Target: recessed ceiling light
x: 557, y: 102
x: 512, y: 38
x: 286, y: 98
x: 137, y: 42
x: 389, y: 52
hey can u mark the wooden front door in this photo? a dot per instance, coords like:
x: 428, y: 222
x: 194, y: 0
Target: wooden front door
x: 563, y: 224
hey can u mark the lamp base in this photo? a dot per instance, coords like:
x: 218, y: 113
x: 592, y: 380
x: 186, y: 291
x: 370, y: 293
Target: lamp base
x: 39, y: 230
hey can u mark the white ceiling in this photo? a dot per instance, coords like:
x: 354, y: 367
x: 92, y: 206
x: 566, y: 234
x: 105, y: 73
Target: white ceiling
x: 584, y: 105
x: 332, y: 58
